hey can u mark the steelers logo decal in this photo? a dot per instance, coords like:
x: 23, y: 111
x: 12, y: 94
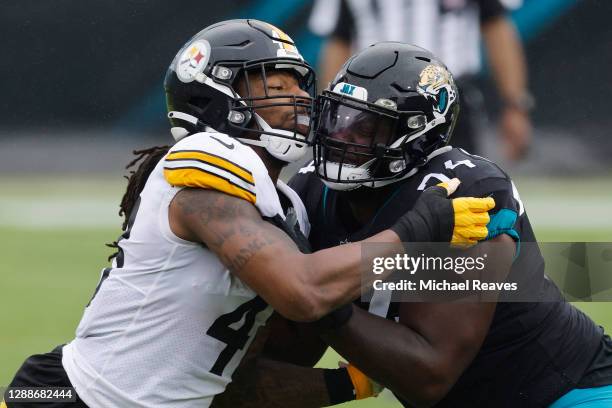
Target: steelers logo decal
x: 193, y: 60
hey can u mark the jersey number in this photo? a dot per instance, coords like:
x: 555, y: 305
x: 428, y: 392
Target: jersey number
x: 235, y: 339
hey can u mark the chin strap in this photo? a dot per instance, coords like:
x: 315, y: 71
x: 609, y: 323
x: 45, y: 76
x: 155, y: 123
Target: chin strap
x: 267, y: 128
x: 286, y: 147
x: 180, y: 132
x: 252, y: 142
x: 346, y: 174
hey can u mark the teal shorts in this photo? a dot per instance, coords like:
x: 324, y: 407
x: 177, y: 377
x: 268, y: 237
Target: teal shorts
x: 598, y: 397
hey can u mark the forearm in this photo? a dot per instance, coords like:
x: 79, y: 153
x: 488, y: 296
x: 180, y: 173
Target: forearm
x: 292, y: 342
x: 269, y: 383
x: 263, y: 379
x: 330, y: 278
x: 305, y: 287
x: 422, y: 356
x: 301, y: 287
x: 506, y: 58
x: 343, y: 272
x: 337, y: 276
x: 402, y: 360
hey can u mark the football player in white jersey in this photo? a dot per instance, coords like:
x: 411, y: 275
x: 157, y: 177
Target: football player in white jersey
x: 213, y: 241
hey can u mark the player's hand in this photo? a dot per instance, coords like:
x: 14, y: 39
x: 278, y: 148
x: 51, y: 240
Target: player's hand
x: 364, y: 386
x: 471, y: 218
x: 437, y: 218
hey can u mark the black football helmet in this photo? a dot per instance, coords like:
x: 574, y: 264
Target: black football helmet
x: 389, y: 107
x: 201, y: 86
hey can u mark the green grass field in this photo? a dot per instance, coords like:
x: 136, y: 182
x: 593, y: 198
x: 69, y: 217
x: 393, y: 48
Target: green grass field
x: 52, y: 237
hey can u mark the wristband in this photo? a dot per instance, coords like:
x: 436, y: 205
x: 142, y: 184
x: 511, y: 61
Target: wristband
x: 339, y: 385
x: 524, y: 102
x: 431, y: 219
x: 411, y: 228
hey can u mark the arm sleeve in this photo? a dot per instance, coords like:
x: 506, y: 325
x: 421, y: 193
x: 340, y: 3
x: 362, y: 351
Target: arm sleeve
x: 490, y: 9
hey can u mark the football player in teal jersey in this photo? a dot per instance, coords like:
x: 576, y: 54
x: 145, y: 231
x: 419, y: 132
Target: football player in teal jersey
x: 382, y: 137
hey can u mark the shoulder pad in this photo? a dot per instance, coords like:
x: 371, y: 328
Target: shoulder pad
x: 479, y: 177
x: 214, y: 161
x: 457, y: 163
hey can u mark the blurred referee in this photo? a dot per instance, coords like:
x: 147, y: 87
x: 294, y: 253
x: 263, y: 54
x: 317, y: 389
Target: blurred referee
x: 452, y: 30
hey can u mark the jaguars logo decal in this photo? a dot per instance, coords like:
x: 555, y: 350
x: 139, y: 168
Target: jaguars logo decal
x: 437, y: 83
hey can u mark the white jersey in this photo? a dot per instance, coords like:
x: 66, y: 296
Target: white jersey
x: 169, y: 323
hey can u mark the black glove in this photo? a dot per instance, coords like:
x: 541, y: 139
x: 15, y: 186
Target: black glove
x: 431, y: 219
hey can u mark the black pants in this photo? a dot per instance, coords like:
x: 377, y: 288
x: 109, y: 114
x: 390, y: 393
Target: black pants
x: 44, y: 370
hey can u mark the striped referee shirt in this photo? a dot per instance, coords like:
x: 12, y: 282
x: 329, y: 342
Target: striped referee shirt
x: 448, y: 28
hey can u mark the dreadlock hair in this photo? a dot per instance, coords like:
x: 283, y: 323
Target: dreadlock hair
x: 137, y: 179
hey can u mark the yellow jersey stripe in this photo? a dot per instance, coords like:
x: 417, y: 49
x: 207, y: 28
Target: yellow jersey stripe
x: 217, y: 171
x: 3, y: 405
x: 212, y: 160
x: 191, y: 162
x: 196, y: 177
